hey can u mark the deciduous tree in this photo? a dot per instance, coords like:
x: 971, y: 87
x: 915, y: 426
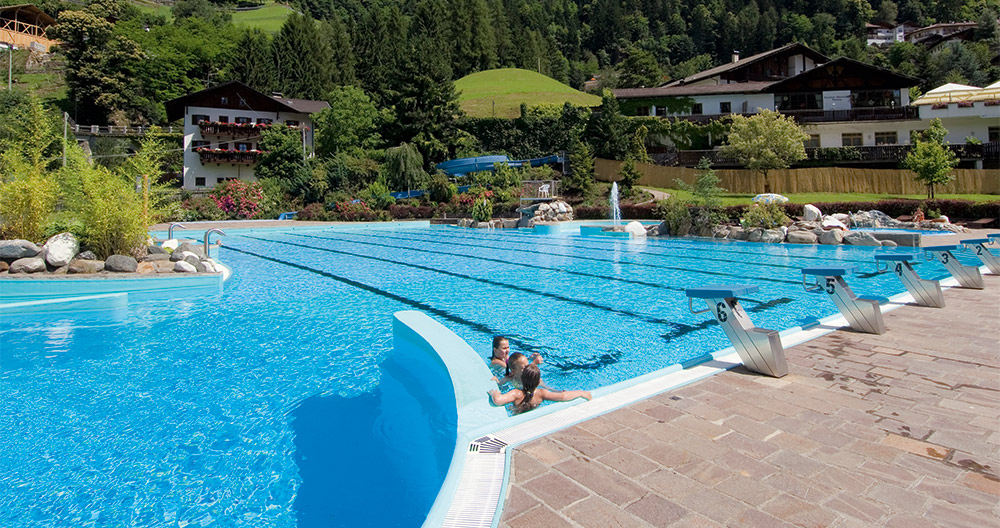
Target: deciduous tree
x: 931, y: 160
x: 765, y: 141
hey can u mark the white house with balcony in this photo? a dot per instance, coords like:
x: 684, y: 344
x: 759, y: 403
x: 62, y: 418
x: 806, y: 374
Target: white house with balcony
x: 839, y: 102
x: 223, y: 127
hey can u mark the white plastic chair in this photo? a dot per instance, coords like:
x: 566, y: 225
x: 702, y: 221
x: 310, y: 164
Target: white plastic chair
x: 543, y: 191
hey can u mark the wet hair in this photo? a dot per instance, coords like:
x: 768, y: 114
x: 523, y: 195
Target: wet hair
x: 496, y: 344
x: 530, y: 377
x: 511, y: 359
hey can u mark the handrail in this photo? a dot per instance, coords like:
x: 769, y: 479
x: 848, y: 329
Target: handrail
x: 170, y: 230
x: 208, y: 235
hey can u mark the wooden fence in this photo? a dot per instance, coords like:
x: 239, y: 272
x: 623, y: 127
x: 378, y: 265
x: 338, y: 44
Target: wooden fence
x: 815, y: 179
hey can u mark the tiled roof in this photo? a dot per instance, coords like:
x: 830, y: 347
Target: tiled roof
x: 719, y: 70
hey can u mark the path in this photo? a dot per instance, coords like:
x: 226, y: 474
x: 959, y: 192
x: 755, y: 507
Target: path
x: 897, y: 430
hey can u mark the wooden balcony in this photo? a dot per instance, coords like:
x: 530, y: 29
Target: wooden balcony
x: 235, y: 130
x: 847, y: 155
x: 903, y: 113
x: 232, y: 157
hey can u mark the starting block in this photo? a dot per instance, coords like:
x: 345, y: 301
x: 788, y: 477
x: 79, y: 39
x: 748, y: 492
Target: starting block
x: 864, y: 315
x: 978, y: 246
x: 925, y: 292
x: 759, y: 348
x: 967, y: 276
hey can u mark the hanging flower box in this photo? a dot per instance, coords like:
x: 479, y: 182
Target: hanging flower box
x: 992, y: 102
x: 965, y: 104
x: 939, y: 106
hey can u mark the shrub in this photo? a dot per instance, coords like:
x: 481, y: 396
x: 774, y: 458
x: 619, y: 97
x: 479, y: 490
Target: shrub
x: 440, y: 189
x: 767, y: 216
x: 675, y: 213
x: 482, y: 211
x: 377, y: 194
x: 412, y: 211
x: 239, y: 199
x: 25, y: 204
x: 111, y: 212
x: 201, y: 208
x: 356, y: 212
x: 314, y: 212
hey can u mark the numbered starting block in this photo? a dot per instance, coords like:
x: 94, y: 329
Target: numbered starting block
x: 978, y: 246
x: 759, y: 348
x: 925, y: 292
x: 864, y: 315
x: 967, y: 276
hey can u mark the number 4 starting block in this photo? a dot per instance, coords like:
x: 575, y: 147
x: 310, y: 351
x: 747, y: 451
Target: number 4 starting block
x: 925, y: 292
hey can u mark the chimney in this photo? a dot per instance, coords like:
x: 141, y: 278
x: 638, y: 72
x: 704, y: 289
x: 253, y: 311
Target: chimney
x: 736, y: 55
x: 277, y: 95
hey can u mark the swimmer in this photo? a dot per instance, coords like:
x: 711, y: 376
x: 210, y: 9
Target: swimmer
x: 515, y: 366
x: 531, y: 395
x: 501, y: 348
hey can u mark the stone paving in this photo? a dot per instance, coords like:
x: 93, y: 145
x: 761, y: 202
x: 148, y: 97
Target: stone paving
x: 898, y: 430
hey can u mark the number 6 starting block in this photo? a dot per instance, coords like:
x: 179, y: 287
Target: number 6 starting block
x: 759, y: 348
x: 864, y: 315
x: 925, y: 292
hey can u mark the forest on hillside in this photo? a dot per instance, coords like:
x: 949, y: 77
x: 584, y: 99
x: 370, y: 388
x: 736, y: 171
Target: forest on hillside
x: 124, y: 62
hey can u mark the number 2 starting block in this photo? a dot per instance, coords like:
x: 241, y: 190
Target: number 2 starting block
x: 864, y: 315
x: 759, y: 348
x: 978, y: 246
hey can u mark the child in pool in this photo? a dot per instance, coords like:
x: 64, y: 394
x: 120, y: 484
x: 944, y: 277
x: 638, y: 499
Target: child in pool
x: 531, y: 395
x: 501, y: 348
x: 515, y: 366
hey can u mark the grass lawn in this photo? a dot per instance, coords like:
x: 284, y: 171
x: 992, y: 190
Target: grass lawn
x: 269, y: 18
x: 501, y: 92
x: 153, y: 7
x: 49, y: 87
x: 804, y: 198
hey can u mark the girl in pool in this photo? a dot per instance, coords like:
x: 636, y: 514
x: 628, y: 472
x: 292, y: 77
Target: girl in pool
x: 500, y: 350
x: 531, y: 395
x: 515, y: 366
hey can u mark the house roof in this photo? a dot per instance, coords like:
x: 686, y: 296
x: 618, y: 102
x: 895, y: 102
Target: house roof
x: 238, y: 96
x: 787, y: 49
x: 953, y: 92
x: 843, y: 74
x: 27, y: 13
x: 692, y: 90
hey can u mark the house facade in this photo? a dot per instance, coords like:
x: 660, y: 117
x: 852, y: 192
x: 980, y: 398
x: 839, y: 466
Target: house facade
x: 223, y: 127
x: 839, y: 102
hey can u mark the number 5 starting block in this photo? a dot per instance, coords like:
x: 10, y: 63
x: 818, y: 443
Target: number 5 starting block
x: 864, y: 315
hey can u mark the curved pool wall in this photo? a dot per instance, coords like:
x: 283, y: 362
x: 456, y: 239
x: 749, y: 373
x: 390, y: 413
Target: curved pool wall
x: 29, y: 287
x: 417, y: 335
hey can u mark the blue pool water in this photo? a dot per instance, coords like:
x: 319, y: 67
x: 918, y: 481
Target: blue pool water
x: 277, y: 402
x: 926, y: 232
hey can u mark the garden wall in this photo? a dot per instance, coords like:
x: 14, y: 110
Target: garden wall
x: 813, y: 179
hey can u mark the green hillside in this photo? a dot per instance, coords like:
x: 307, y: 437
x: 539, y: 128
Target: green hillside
x: 270, y: 18
x: 509, y: 87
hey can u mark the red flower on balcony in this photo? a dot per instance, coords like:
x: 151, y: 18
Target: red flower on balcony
x: 965, y: 104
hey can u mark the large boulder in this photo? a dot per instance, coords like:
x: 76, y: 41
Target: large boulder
x: 832, y: 237
x: 755, y: 234
x: 153, y: 249
x: 636, y: 229
x: 154, y: 257
x: 18, y: 249
x: 811, y: 213
x: 79, y: 265
x: 86, y: 255
x: 801, y: 237
x: 121, y: 264
x: 737, y: 233
x: 772, y: 236
x: 146, y: 268
x: 4, y: 266
x: 830, y: 222
x: 27, y: 265
x: 182, y: 266
x: 720, y: 231
x: 60, y: 249
x: 889, y: 243
x: 192, y: 248
x: 858, y: 238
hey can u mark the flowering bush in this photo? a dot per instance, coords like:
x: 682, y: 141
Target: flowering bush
x: 354, y: 211
x: 238, y: 199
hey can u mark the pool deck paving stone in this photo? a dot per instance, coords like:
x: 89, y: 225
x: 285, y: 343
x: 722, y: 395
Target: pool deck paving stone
x: 896, y: 430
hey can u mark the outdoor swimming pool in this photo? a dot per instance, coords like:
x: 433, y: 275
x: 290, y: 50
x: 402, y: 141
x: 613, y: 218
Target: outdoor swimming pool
x: 266, y: 404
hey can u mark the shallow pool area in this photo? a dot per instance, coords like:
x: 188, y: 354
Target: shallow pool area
x: 278, y: 401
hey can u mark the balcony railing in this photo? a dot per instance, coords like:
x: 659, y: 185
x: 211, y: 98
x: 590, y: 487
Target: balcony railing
x: 233, y: 157
x: 902, y: 113
x: 237, y: 130
x: 866, y: 154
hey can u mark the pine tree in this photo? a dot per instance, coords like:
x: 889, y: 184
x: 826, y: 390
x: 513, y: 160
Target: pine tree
x: 337, y: 39
x: 301, y: 62
x: 245, y: 64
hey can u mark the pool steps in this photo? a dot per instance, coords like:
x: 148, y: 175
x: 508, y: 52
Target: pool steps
x: 760, y: 349
x: 967, y: 276
x: 864, y: 315
x: 925, y: 292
